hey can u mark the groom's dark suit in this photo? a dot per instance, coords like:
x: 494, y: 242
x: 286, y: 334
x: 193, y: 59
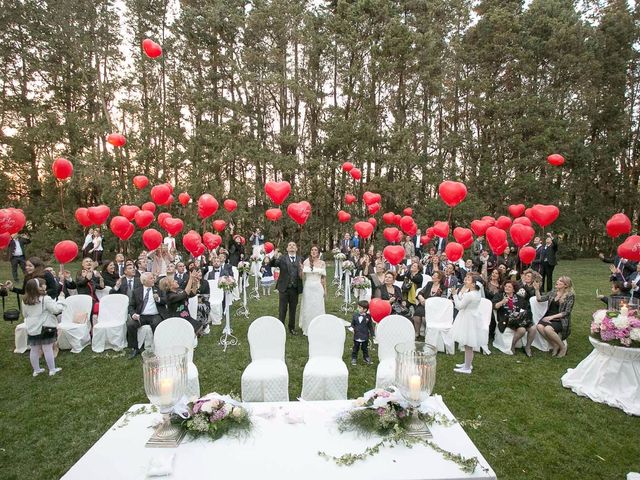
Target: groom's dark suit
x: 289, y: 285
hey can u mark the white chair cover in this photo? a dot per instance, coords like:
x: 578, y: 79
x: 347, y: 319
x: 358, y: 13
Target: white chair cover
x: 266, y: 378
x: 177, y: 332
x: 425, y: 279
x: 502, y: 340
x: 391, y: 331
x: 325, y: 376
x: 193, y: 307
x: 538, y: 309
x: 236, y: 291
x: 439, y: 320
x: 486, y: 308
x: 21, y: 338
x: 111, y: 330
x: 216, y: 295
x: 103, y: 293
x: 71, y: 335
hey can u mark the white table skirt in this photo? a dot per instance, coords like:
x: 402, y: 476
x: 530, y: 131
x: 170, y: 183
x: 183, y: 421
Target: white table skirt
x: 277, y: 449
x: 608, y: 375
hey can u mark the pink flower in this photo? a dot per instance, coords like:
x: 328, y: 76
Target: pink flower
x: 380, y: 411
x: 626, y: 342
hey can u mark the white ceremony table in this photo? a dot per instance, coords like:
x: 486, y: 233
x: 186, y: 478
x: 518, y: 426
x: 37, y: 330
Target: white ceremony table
x: 609, y: 375
x: 277, y: 449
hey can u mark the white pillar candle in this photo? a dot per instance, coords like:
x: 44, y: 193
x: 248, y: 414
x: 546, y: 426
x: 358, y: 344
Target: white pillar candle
x: 414, y: 387
x: 166, y: 390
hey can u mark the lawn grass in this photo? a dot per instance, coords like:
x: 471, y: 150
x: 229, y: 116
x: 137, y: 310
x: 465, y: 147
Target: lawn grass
x: 528, y: 425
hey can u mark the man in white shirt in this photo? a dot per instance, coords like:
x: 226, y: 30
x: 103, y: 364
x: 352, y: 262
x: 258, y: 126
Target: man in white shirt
x: 88, y: 243
x: 143, y: 310
x: 17, y: 255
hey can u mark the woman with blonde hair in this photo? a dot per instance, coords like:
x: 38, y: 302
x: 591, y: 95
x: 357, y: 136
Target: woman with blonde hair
x: 555, y: 326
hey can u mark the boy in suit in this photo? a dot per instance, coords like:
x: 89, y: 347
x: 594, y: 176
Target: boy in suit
x: 362, y: 328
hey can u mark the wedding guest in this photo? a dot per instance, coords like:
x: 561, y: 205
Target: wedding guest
x: 314, y: 289
x: 467, y: 329
x: 126, y: 284
x: 87, y: 246
x: 409, y: 249
x: 362, y: 326
x: 143, y: 310
x: 97, y: 249
x: 17, y: 255
x: 494, y: 285
x: 377, y: 277
x: 170, y: 243
x: 477, y: 247
x: 203, y: 291
x: 433, y: 288
x: 35, y: 268
x: 110, y: 274
x: 514, y: 311
x: 391, y: 293
x: 618, y: 293
x: 160, y: 259
x: 39, y: 311
x: 175, y: 301
x: 346, y: 245
x: 549, y: 260
x: 555, y: 326
x: 450, y: 280
x: 89, y: 281
x: 257, y: 242
x: 411, y: 279
x: 182, y: 275
x: 632, y: 282
x: 120, y: 262
x: 236, y: 251
x: 267, y: 279
x: 289, y: 284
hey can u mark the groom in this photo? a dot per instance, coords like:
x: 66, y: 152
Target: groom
x: 289, y: 284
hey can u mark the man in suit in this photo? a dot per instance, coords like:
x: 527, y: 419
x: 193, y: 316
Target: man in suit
x: 126, y: 284
x: 219, y: 268
x: 289, y: 284
x: 346, y: 244
x: 17, y: 254
x: 144, y: 309
x: 536, y: 265
x: 417, y: 243
x: 440, y: 243
x: 619, y: 265
x: 119, y: 261
x: 549, y: 260
x: 476, y: 248
x: 181, y: 275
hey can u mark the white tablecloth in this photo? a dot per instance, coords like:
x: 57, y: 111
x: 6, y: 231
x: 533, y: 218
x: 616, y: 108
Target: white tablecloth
x: 608, y: 375
x: 277, y: 449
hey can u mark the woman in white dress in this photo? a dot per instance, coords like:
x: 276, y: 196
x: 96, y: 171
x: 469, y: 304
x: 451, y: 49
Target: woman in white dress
x: 468, y: 323
x: 314, y: 274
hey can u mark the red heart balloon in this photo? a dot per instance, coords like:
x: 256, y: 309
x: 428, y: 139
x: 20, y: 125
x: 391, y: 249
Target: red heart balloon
x: 453, y: 251
x: 207, y: 205
x: 5, y: 239
x: 413, y: 230
x: 268, y: 247
x: 152, y: 239
x: 392, y: 234
x: 503, y: 223
x: 99, y: 214
x: 408, y: 211
x: 373, y: 222
x: 373, y: 208
x: 521, y: 234
x: 528, y: 213
x: 424, y: 239
x: 441, y: 229
x: 496, y: 239
x: 273, y: 214
x: 169, y: 201
x: 119, y: 226
x: 162, y: 218
x: 388, y: 218
x: 65, y: 251
x: 347, y: 166
x: 489, y: 219
x: 452, y: 193
x: 343, y: 217
x: 116, y: 139
x: 230, y: 205
x: 370, y: 197
x: 479, y: 227
x: 406, y: 224
x: 219, y: 225
x: 170, y: 186
x: 522, y: 221
x: 172, y: 225
x: 160, y: 194
x: 396, y: 219
x: 82, y: 216
x: 191, y: 241
x: 140, y: 181
x: 378, y: 309
x: 143, y: 218
x: 630, y: 248
x: 149, y: 206
x: 299, y: 212
x: 544, y: 215
x: 527, y: 255
x: 365, y: 229
x: 355, y: 173
x: 199, y: 250
x: 11, y: 220
x: 151, y: 48
x: 211, y: 240
x: 62, y: 168
x: 463, y: 236
x: 129, y: 211
x: 394, y: 254
x: 349, y: 198
x: 516, y: 210
x: 184, y: 198
x: 618, y: 224
x: 130, y: 229
x: 277, y: 191
x: 555, y: 159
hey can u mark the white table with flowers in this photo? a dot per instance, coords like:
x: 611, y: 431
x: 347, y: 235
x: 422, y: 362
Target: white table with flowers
x: 283, y: 444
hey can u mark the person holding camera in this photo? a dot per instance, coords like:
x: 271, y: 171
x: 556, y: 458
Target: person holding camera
x: 257, y: 243
x: 548, y: 260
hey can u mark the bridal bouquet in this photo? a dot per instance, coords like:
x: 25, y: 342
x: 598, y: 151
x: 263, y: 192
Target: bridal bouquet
x: 244, y: 267
x: 348, y: 266
x: 227, y: 283
x: 611, y: 327
x: 360, y: 283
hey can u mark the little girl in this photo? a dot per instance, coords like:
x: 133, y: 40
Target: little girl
x: 267, y: 279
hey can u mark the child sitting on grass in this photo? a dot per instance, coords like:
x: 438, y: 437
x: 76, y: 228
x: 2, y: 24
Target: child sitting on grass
x: 362, y: 326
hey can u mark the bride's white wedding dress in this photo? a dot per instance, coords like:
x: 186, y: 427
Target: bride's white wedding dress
x: 312, y: 294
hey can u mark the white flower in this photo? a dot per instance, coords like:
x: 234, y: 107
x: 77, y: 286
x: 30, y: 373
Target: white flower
x: 207, y: 407
x: 381, y: 402
x: 237, y: 412
x: 621, y: 322
x: 635, y: 334
x: 359, y: 402
x: 599, y: 316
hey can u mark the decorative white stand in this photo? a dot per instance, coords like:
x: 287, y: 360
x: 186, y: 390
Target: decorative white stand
x: 227, y: 337
x: 609, y: 375
x: 255, y: 294
x: 347, y: 305
x: 243, y: 311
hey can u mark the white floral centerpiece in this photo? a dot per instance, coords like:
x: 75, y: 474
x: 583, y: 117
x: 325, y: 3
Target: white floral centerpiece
x: 227, y: 283
x: 348, y: 266
x: 244, y: 267
x: 620, y: 328
x: 360, y: 283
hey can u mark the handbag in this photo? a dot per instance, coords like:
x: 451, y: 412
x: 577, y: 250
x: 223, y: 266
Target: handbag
x: 48, y: 332
x: 13, y: 314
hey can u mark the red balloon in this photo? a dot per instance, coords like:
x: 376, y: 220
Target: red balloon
x: 119, y: 226
x: 169, y: 201
x: 151, y: 48
x: 406, y: 224
x: 62, y: 168
x: 373, y: 222
x: 463, y: 236
x: 152, y: 239
x: 14, y: 220
x: 392, y: 234
x: 618, y: 224
x: 143, y: 218
x: 349, y: 199
x: 516, y: 210
x: 365, y: 229
x: 413, y: 229
x: 130, y: 229
x: 268, y: 247
x: 170, y: 186
x: 160, y: 194
x: 277, y: 191
x: 489, y: 219
x: 82, y: 216
x: 408, y: 211
x: 162, y: 218
x: 343, y: 217
x: 452, y: 193
x: 273, y: 214
x: 394, y: 254
x: 528, y: 213
x: 521, y: 234
x: 370, y: 197
x: 479, y: 227
x: 99, y: 214
x: 116, y: 139
x: 453, y: 251
x: 299, y: 212
x: 129, y: 211
x: 396, y: 219
x: 191, y: 241
x: 149, y: 206
x: 199, y: 250
x: 172, y: 225
x: 184, y: 198
x: 527, y: 255
x: 496, y: 238
x: 503, y: 223
x: 347, y: 166
x: 355, y: 173
x: 424, y: 239
x: 207, y: 205
x: 5, y: 238
x: 379, y: 309
x: 140, y: 181
x: 373, y: 208
x: 441, y: 229
x: 522, y: 221
x: 230, y: 205
x: 630, y: 248
x: 219, y: 225
x: 65, y: 251
x: 544, y: 215
x: 211, y: 240
x: 555, y: 159
x: 388, y: 218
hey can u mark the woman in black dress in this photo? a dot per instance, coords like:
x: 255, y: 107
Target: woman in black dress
x: 434, y: 288
x: 555, y: 326
x: 35, y: 268
x: 110, y: 274
x: 514, y: 311
x: 412, y: 283
x: 176, y: 301
x: 390, y: 292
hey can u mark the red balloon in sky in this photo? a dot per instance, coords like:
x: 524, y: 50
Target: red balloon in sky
x: 151, y: 48
x: 62, y: 168
x: 65, y: 251
x: 355, y: 173
x: 140, y: 181
x: 116, y: 139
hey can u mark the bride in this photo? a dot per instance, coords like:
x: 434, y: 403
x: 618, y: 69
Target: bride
x: 315, y: 288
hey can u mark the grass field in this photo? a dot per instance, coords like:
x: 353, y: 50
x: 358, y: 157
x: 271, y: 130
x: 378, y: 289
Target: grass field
x: 528, y: 425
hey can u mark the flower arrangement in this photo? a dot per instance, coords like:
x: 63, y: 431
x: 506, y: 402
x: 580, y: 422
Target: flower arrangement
x: 244, y: 267
x: 348, y: 266
x: 227, y: 283
x: 610, y: 326
x: 360, y: 283
x: 215, y: 415
x: 339, y: 256
x: 256, y: 258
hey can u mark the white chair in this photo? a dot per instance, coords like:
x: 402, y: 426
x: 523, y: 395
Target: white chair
x: 538, y: 309
x: 21, y: 338
x: 439, y: 320
x: 73, y: 335
x: 391, y: 331
x: 103, y: 293
x: 111, y: 329
x: 325, y: 376
x: 266, y: 378
x: 425, y: 279
x: 486, y: 310
x: 216, y: 295
x: 193, y: 307
x: 177, y: 332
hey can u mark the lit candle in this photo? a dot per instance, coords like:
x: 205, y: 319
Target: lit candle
x: 414, y: 387
x: 166, y: 390
x: 624, y: 310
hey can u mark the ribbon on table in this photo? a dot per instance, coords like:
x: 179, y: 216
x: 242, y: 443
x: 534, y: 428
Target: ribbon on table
x: 227, y: 306
x: 347, y: 286
x: 181, y: 409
